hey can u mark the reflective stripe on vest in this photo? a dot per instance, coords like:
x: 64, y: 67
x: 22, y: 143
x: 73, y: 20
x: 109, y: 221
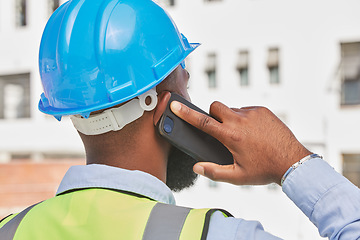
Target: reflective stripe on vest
x: 159, y: 225
x: 107, y: 214
x: 7, y: 232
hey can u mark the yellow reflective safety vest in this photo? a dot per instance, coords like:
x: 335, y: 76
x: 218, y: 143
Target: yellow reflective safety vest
x: 98, y: 213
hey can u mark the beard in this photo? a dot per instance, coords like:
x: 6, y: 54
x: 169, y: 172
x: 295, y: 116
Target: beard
x: 180, y: 173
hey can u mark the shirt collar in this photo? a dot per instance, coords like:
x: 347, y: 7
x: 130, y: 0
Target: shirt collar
x: 103, y: 176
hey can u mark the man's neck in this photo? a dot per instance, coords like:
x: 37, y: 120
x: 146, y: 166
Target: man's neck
x: 146, y: 153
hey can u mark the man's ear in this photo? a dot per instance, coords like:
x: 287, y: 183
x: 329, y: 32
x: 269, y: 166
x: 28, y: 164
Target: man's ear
x: 163, y: 99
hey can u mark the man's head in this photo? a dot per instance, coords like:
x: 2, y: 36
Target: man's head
x: 110, y: 54
x: 98, y: 54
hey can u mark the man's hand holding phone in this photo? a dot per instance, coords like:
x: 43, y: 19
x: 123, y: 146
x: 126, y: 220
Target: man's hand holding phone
x: 263, y: 147
x: 189, y: 139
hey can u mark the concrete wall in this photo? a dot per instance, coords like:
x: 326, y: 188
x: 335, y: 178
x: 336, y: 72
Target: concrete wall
x: 24, y: 182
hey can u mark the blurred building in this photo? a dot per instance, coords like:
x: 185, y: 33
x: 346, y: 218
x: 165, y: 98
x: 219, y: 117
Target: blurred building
x: 299, y: 58
x: 35, y: 150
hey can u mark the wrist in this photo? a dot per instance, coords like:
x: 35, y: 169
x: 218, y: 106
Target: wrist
x: 298, y: 164
x: 295, y: 153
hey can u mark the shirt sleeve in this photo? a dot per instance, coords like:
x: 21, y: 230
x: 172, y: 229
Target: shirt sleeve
x: 327, y: 198
x: 229, y: 228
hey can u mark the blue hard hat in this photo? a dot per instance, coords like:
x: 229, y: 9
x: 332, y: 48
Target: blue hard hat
x: 95, y: 54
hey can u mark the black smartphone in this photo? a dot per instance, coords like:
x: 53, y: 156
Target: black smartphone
x: 190, y: 139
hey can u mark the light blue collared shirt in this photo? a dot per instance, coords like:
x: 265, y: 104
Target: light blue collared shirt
x: 330, y: 201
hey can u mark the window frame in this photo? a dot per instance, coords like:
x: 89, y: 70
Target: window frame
x: 167, y: 3
x: 52, y: 7
x: 21, y: 13
x: 352, y: 167
x: 242, y: 68
x: 16, y: 79
x: 210, y: 70
x: 273, y: 65
x: 347, y: 75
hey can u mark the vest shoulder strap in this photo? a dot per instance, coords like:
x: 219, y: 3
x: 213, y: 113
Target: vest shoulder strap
x: 7, y: 232
x: 174, y: 222
x: 197, y: 223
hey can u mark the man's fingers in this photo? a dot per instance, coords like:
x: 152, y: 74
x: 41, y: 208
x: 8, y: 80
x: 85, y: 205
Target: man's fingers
x: 221, y: 173
x: 199, y: 120
x: 220, y: 111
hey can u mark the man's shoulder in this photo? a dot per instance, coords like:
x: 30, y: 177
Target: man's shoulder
x: 6, y: 219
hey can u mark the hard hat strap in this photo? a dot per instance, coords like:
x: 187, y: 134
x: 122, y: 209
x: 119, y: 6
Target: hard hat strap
x: 115, y: 119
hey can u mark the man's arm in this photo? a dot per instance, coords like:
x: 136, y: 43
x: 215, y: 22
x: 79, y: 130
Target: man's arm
x: 264, y: 149
x: 327, y: 198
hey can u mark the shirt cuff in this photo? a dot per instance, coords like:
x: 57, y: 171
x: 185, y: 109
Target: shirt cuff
x: 310, y: 182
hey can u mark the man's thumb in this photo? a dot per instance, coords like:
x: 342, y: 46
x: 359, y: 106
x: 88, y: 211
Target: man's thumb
x: 199, y: 169
x: 214, y: 171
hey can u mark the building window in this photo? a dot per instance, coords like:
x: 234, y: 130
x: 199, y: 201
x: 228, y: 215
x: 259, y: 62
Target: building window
x: 350, y: 73
x: 273, y: 65
x: 167, y: 3
x: 15, y: 96
x: 21, y: 16
x: 211, y: 70
x: 351, y: 168
x: 243, y: 67
x: 53, y: 5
